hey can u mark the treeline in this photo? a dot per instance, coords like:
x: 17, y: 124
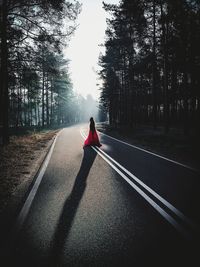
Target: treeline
x: 151, y: 67
x: 35, y: 88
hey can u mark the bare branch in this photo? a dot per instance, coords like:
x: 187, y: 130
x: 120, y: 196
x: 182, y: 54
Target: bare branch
x: 33, y: 22
x: 27, y: 5
x: 28, y: 30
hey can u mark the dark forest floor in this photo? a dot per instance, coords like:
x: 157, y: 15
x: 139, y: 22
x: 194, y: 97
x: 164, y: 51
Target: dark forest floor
x: 174, y: 145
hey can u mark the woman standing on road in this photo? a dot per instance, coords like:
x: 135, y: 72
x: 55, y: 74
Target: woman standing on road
x: 92, y: 139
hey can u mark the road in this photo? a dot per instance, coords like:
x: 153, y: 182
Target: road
x: 117, y: 206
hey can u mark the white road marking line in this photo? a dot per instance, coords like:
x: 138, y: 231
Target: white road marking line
x: 168, y: 217
x: 26, y: 207
x: 152, y: 192
x: 154, y: 154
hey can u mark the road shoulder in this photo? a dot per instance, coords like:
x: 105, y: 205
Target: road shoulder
x: 20, y: 174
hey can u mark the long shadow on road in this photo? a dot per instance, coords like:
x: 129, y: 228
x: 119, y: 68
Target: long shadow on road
x: 70, y: 207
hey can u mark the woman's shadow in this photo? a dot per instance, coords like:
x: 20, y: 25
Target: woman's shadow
x: 70, y: 207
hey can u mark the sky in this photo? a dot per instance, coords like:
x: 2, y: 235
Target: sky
x: 83, y: 50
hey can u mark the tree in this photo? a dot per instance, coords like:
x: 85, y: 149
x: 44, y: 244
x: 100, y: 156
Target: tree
x: 24, y: 26
x: 151, y: 62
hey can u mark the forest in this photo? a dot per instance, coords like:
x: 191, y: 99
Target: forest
x: 151, y: 66
x: 35, y: 86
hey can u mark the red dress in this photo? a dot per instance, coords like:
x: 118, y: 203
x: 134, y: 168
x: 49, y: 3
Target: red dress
x: 92, y: 139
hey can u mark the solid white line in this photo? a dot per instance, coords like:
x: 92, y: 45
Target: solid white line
x: 151, y: 191
x: 168, y: 217
x: 136, y: 147
x: 26, y: 207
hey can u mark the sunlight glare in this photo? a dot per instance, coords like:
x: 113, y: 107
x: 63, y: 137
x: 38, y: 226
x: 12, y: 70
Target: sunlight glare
x: 84, y: 49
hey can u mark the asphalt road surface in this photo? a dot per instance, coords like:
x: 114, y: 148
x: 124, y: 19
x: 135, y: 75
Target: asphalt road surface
x: 113, y: 206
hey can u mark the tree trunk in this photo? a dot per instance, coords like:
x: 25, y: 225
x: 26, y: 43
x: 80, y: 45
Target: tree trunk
x: 51, y: 110
x: 185, y: 105
x: 154, y: 91
x: 35, y: 111
x: 28, y: 105
x: 43, y: 83
x: 4, y: 74
x: 38, y: 112
x: 165, y: 70
x: 25, y: 111
x: 21, y: 101
x: 47, y: 100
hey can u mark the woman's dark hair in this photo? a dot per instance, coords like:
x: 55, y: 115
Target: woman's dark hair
x: 92, y: 124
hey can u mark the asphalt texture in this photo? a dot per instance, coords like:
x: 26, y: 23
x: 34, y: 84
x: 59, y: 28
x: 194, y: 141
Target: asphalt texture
x: 85, y: 214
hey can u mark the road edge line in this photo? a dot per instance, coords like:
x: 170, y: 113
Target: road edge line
x: 152, y: 153
x: 166, y: 203
x: 31, y: 195
x: 155, y: 205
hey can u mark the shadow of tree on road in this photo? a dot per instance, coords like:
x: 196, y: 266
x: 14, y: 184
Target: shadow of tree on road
x: 70, y: 207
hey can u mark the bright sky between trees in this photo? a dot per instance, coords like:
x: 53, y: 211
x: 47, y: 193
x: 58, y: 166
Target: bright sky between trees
x: 84, y: 49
